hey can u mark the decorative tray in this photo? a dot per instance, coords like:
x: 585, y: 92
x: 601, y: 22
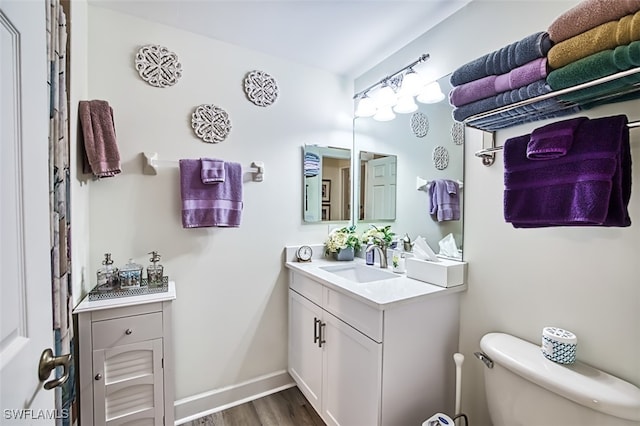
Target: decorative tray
x: 144, y: 288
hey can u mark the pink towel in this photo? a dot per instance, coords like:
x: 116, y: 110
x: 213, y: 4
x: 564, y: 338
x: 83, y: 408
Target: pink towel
x: 101, y: 156
x: 205, y: 205
x: 589, y: 14
x: 212, y: 170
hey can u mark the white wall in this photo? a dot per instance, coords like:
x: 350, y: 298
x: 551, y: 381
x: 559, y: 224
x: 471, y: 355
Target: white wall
x: 231, y: 311
x: 583, y: 279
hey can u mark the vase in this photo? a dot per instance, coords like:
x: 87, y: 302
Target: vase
x: 344, y: 254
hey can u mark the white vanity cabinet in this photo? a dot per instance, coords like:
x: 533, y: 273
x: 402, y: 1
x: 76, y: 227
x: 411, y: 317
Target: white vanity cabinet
x: 125, y: 360
x: 362, y: 364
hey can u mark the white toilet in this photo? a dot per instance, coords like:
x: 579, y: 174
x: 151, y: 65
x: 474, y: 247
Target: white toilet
x: 525, y: 388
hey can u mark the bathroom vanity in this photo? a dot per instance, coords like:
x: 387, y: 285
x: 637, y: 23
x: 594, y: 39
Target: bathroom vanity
x: 125, y: 359
x: 374, y: 350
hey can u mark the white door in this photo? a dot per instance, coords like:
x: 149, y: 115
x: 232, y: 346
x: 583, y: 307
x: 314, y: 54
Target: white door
x: 25, y: 286
x: 381, y: 189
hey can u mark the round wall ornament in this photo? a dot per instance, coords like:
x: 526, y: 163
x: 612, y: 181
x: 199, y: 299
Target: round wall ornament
x: 419, y: 124
x: 440, y: 157
x: 210, y: 123
x: 457, y: 133
x: 158, y: 66
x: 261, y: 88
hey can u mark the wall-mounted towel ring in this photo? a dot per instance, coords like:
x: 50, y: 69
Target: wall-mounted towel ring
x: 152, y: 163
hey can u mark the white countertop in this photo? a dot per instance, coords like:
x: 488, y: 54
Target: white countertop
x: 380, y: 294
x: 93, y: 305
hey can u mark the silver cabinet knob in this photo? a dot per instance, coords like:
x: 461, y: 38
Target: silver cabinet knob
x: 98, y: 376
x: 128, y: 331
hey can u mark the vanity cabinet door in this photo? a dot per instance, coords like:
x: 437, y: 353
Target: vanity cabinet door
x: 352, y: 371
x: 305, y: 353
x: 128, y: 384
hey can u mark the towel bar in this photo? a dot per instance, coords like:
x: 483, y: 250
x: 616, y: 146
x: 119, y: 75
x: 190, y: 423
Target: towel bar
x: 423, y: 184
x: 488, y: 154
x: 152, y: 163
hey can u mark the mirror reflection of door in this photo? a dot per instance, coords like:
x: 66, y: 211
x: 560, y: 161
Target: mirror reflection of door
x: 327, y: 184
x: 377, y: 186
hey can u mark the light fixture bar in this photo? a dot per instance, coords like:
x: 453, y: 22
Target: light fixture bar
x: 422, y: 58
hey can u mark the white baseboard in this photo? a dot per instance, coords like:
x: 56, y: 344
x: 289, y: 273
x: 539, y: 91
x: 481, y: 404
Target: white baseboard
x: 194, y: 407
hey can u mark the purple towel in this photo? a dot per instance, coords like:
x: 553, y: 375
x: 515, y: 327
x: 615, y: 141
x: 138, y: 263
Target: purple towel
x: 445, y: 202
x: 472, y: 91
x: 553, y: 140
x: 522, y: 76
x: 590, y: 186
x: 212, y: 170
x: 210, y: 205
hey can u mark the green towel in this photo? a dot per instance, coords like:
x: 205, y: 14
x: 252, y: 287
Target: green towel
x: 596, y: 66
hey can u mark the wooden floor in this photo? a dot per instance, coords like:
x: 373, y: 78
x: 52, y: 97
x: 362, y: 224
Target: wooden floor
x: 286, y: 408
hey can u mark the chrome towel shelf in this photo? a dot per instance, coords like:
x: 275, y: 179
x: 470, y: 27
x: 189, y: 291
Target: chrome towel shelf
x: 152, y: 163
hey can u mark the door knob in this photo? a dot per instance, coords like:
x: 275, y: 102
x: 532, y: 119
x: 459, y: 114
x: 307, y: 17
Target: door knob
x: 48, y: 362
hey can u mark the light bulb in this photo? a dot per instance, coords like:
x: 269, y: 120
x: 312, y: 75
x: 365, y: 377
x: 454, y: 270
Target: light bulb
x: 385, y: 96
x: 384, y: 114
x: 430, y: 94
x: 405, y: 105
x: 366, y: 107
x: 411, y: 84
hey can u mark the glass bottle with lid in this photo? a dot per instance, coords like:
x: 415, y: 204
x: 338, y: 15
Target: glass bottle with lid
x: 154, y: 271
x: 107, y: 275
x: 130, y: 275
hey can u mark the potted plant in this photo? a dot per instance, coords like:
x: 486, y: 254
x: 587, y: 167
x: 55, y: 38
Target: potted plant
x: 379, y: 236
x: 342, y: 243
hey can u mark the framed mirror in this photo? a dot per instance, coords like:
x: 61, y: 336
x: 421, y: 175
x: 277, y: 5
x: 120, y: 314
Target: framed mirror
x: 326, y: 184
x: 418, y: 141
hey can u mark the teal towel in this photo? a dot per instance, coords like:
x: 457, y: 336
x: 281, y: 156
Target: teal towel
x: 598, y: 65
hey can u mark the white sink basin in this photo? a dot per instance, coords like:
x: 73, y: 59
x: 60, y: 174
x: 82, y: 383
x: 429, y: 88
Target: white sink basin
x: 360, y: 273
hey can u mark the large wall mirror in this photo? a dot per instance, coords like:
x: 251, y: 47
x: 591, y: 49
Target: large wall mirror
x: 326, y: 184
x: 425, y: 145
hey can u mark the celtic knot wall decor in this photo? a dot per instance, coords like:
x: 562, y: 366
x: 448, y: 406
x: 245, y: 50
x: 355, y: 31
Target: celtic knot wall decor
x: 440, y: 157
x: 457, y: 133
x: 261, y: 88
x: 419, y: 124
x: 210, y: 123
x: 158, y: 66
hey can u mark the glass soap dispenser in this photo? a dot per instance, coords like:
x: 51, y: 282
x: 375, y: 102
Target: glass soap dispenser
x: 107, y: 275
x: 130, y: 275
x: 154, y: 271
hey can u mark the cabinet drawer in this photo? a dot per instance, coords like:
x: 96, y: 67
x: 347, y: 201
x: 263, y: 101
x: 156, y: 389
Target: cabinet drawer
x: 307, y: 287
x: 363, y: 318
x: 122, y: 331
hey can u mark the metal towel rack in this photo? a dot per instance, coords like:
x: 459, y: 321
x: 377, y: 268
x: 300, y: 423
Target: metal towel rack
x: 423, y: 184
x: 152, y: 163
x: 488, y: 154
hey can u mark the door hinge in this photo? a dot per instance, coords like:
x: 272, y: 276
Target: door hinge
x: 162, y: 363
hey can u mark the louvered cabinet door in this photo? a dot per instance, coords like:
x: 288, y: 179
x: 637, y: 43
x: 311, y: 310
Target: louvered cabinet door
x: 128, y: 384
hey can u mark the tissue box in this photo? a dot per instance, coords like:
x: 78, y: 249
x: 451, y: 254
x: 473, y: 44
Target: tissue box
x: 446, y: 273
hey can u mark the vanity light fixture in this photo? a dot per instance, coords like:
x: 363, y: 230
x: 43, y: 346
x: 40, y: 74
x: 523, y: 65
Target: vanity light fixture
x: 396, y: 92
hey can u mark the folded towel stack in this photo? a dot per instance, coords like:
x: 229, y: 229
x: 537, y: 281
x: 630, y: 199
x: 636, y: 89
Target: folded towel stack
x: 311, y: 164
x: 590, y: 185
x: 210, y: 204
x: 513, y: 73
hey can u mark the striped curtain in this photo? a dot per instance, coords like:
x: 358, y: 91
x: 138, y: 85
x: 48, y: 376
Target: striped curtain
x: 60, y: 206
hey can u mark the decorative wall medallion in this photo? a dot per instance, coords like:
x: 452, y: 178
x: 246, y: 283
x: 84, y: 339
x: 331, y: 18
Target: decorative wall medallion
x: 261, y: 88
x: 158, y: 66
x: 440, y: 157
x: 210, y: 123
x: 457, y: 133
x: 420, y: 124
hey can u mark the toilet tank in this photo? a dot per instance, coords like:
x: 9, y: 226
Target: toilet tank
x: 525, y: 388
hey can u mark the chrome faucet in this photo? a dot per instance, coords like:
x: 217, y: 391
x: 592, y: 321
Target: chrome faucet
x: 382, y: 252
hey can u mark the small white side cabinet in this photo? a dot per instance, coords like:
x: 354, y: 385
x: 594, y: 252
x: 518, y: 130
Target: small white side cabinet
x: 125, y: 363
x: 360, y: 364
